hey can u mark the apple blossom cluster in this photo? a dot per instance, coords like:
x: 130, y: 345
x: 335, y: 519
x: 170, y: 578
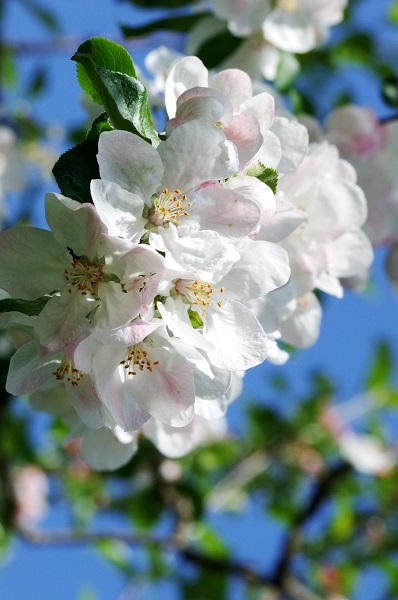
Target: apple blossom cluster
x: 150, y: 302
x: 371, y: 147
x: 268, y: 29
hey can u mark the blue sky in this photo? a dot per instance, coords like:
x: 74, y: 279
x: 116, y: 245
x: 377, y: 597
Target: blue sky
x: 349, y: 331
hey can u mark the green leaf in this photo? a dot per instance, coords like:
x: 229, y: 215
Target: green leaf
x: 75, y: 169
x: 103, y: 53
x: 27, y: 307
x: 124, y: 98
x: 265, y: 174
x: 178, y: 23
x: 381, y: 368
x: 100, y: 124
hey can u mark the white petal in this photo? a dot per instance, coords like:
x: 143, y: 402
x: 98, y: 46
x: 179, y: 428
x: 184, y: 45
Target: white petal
x: 104, y: 452
x: 189, y: 72
x: 239, y: 340
x: 129, y: 161
x: 120, y: 210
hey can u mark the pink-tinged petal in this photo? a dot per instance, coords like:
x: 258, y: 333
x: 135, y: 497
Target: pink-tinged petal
x: 129, y: 335
x: 167, y: 391
x: 231, y: 213
x: 189, y: 72
x: 204, y: 103
x: 120, y: 210
x: 262, y: 107
x: 196, y: 152
x: 74, y: 225
x: 103, y: 451
x: 256, y: 191
x: 301, y: 329
x: 244, y: 132
x: 109, y: 376
x: 85, y: 401
x: 239, y: 340
x: 204, y: 254
x: 29, y: 370
x: 129, y: 161
x: 32, y: 262
x: 63, y: 320
x: 235, y: 84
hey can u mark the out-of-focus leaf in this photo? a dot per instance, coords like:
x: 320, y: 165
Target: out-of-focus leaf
x: 390, y: 90
x: 43, y: 15
x: 178, y: 23
x: 117, y: 553
x: 288, y: 70
x: 344, y: 519
x: 27, y: 307
x: 208, y: 540
x: 208, y: 585
x: 218, y: 48
x: 393, y: 12
x: 75, y: 169
x: 357, y: 48
x: 38, y: 83
x: 145, y: 508
x: 8, y: 67
x: 381, y: 368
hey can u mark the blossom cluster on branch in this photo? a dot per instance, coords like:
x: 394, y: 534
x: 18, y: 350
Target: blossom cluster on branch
x: 195, y: 252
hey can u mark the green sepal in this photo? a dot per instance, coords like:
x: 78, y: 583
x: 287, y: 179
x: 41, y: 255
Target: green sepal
x: 75, y: 169
x: 26, y: 307
x: 265, y: 174
x: 195, y: 319
x: 113, y: 84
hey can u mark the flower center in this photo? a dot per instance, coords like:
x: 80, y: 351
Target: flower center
x: 85, y: 277
x: 168, y: 207
x: 197, y: 293
x: 67, y: 371
x: 136, y: 359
